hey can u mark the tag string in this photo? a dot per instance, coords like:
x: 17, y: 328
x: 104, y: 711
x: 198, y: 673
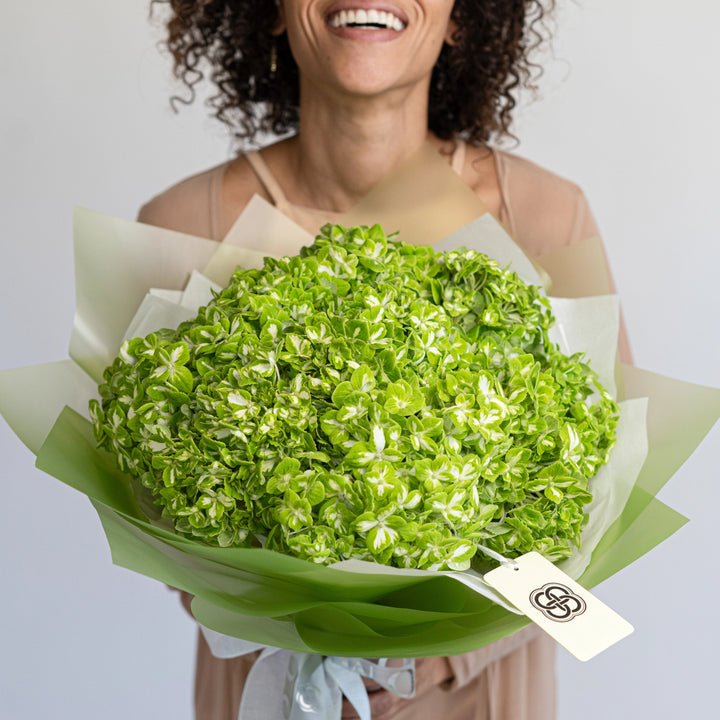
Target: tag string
x: 505, y: 562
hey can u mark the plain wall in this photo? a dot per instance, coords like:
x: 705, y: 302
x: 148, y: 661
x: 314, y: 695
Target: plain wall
x: 629, y: 111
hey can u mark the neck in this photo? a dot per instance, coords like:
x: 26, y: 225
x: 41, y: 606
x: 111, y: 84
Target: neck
x: 347, y: 145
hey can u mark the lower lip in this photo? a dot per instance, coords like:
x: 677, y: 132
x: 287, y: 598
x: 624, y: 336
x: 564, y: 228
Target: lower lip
x: 365, y: 34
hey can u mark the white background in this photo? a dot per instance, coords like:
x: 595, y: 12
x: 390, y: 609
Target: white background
x: 629, y: 111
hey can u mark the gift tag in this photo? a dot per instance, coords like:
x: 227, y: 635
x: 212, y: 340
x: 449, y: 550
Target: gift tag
x: 562, y: 608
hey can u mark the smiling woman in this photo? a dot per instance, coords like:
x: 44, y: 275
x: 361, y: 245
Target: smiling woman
x: 83, y: 638
x: 361, y: 85
x: 241, y: 48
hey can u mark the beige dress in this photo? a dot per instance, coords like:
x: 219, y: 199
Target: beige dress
x: 514, y: 678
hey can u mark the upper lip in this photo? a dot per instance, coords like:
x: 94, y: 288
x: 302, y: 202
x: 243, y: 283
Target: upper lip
x: 366, y: 5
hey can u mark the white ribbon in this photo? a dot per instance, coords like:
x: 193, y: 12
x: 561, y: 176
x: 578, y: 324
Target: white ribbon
x: 285, y: 685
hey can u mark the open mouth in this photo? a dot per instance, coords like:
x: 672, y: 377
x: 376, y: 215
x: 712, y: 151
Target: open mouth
x: 368, y: 19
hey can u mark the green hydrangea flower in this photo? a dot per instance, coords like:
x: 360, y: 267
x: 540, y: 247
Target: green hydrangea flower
x: 365, y: 399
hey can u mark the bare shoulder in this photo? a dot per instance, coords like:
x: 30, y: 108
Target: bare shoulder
x: 204, y: 204
x: 526, y: 176
x: 186, y: 206
x: 240, y: 183
x: 544, y: 211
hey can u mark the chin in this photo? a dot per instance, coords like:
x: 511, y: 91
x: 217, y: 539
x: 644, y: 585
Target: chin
x: 365, y: 79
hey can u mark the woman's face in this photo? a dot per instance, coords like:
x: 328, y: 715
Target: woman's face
x: 366, y: 47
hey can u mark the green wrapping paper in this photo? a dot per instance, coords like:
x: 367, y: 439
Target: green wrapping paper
x: 263, y: 596
x: 312, y: 608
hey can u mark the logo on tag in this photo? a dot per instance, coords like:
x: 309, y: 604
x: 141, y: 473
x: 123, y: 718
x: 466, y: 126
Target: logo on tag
x: 552, y: 599
x: 557, y: 602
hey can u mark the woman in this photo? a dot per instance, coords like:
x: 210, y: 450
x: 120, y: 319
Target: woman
x: 363, y: 84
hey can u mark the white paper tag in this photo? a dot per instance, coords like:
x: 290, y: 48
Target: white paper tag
x: 563, y: 609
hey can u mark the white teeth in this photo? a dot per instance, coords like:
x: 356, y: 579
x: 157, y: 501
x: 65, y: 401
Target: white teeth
x: 376, y: 18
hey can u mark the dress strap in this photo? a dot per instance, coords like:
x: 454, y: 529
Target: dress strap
x: 457, y: 161
x: 215, y: 217
x: 259, y: 166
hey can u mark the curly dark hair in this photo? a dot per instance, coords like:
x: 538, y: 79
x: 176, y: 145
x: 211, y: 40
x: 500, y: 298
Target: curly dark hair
x: 473, y: 86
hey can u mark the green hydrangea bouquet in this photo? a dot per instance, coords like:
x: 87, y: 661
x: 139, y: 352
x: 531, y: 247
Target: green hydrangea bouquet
x: 362, y: 399
x: 365, y: 399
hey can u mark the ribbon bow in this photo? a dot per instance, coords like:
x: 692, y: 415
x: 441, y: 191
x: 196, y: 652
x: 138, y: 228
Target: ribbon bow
x: 295, y: 686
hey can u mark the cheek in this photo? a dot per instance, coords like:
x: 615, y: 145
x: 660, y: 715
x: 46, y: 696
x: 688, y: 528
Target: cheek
x: 442, y: 12
x: 441, y: 26
x: 298, y: 23
x: 307, y: 58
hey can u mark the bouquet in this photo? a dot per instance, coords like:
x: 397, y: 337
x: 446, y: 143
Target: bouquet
x: 366, y: 399
x: 202, y: 540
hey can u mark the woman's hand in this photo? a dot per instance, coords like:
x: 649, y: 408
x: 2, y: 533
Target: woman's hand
x: 384, y: 705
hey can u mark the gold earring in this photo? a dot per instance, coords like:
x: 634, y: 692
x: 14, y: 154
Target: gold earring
x: 273, y: 57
